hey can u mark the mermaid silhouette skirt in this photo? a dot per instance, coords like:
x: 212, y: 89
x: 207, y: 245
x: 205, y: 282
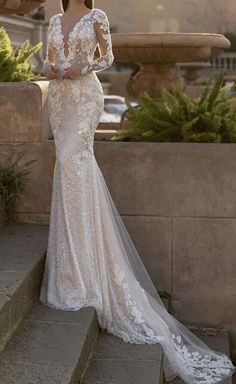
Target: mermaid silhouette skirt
x: 91, y: 259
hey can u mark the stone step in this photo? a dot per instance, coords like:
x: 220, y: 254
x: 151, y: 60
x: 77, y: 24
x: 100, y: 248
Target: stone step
x: 117, y: 362
x: 217, y: 339
x: 49, y: 346
x: 22, y: 253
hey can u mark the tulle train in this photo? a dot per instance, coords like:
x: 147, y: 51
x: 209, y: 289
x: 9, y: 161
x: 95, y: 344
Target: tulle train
x: 185, y: 355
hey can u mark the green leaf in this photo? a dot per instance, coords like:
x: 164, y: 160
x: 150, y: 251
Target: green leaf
x: 15, y: 65
x: 215, y: 90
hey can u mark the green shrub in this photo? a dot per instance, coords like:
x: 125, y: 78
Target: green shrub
x: 12, y: 181
x: 14, y: 64
x: 177, y: 117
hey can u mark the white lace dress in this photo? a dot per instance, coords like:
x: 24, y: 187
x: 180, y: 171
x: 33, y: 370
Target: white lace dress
x: 91, y: 259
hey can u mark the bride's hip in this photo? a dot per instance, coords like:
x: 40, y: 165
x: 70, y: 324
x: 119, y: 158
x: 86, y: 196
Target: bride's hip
x: 82, y: 96
x: 82, y: 90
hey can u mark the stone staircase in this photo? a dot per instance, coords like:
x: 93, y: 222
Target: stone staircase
x: 22, y: 253
x: 116, y: 362
x: 41, y: 345
x: 38, y: 344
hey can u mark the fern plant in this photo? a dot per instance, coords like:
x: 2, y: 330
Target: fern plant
x: 177, y: 117
x: 14, y: 64
x: 12, y: 181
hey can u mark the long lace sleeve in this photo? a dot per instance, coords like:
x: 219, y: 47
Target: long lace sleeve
x: 50, y: 51
x: 102, y: 29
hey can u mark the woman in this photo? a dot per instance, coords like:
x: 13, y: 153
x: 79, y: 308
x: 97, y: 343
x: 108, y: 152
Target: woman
x: 91, y: 259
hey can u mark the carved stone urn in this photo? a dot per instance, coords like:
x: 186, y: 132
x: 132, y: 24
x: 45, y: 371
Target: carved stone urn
x: 18, y: 6
x: 155, y: 55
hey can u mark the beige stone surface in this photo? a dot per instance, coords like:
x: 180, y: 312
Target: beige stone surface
x: 20, y: 111
x: 204, y: 267
x: 6, y: 112
x: 170, y: 179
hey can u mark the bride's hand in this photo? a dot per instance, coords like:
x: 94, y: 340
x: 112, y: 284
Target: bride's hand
x: 49, y: 71
x: 73, y: 71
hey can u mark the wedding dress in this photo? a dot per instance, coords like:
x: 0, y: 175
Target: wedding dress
x: 91, y: 259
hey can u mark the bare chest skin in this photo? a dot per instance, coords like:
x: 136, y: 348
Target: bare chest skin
x: 67, y: 28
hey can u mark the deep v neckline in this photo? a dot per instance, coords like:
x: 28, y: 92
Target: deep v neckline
x: 71, y: 31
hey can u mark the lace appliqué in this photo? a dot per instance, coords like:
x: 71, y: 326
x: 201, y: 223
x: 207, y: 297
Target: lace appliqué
x: 81, y: 42
x: 203, y: 368
x: 136, y: 331
x: 107, y: 59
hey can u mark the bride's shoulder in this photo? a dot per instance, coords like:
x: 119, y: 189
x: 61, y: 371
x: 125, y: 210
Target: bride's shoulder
x: 99, y: 14
x: 99, y: 11
x: 53, y: 18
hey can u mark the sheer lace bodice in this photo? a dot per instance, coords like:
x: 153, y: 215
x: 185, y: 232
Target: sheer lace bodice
x: 90, y: 30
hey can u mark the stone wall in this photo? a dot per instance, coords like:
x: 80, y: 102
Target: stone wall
x: 177, y: 200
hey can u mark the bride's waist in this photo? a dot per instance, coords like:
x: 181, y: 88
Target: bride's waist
x: 88, y: 80
x: 60, y: 66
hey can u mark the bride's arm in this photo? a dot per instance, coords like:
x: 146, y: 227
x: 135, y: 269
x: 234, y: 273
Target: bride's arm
x: 102, y: 29
x: 50, y: 57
